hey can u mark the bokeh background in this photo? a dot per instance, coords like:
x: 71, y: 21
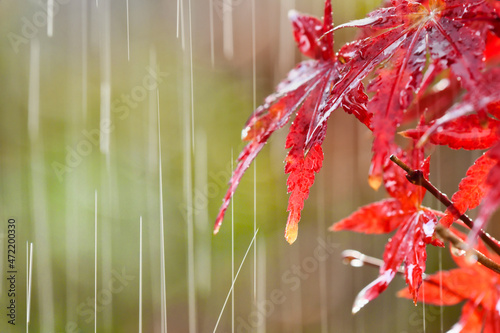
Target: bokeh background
x: 113, y: 112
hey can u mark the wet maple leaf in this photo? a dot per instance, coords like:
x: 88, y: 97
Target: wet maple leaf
x: 471, y: 189
x: 415, y: 229
x: 306, y: 89
x: 411, y: 30
x: 470, y: 132
x: 473, y: 283
x: 271, y: 116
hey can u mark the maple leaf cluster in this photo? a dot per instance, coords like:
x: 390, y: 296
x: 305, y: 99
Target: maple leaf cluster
x: 430, y: 65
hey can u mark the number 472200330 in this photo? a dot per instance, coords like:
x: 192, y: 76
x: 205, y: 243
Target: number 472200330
x: 11, y: 243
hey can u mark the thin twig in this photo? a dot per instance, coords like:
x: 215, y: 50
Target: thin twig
x: 458, y: 243
x: 417, y: 177
x: 359, y: 259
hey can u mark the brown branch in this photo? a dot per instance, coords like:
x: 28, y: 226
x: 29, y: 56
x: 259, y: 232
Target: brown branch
x: 417, y: 177
x: 458, y: 243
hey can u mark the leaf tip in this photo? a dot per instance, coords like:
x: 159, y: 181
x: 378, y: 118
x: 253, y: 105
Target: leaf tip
x: 218, y: 222
x: 415, y: 298
x: 375, y: 181
x: 407, y: 134
x: 216, y: 229
x: 291, y: 232
x: 334, y: 227
x: 359, y: 303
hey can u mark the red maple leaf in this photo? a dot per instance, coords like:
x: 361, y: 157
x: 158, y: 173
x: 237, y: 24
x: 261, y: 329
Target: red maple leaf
x: 445, y: 30
x: 471, y: 189
x: 307, y: 90
x: 471, y: 282
x: 470, y: 132
x: 404, y: 212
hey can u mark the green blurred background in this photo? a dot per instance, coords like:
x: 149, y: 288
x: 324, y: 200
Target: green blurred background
x: 81, y: 96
